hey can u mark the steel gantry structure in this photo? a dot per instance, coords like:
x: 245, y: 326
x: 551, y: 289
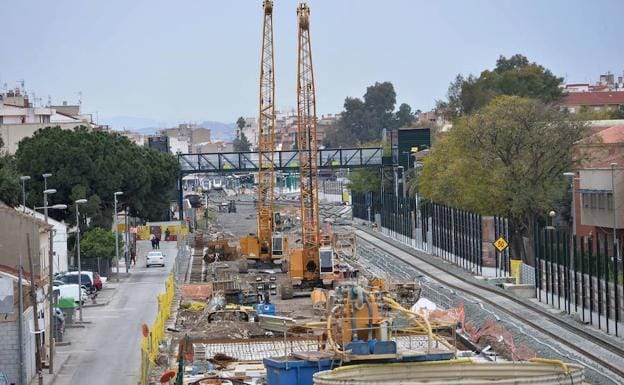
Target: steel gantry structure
x: 266, y: 133
x: 306, y: 140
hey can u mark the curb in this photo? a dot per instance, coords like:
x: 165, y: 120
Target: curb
x: 103, y: 303
x: 60, y: 367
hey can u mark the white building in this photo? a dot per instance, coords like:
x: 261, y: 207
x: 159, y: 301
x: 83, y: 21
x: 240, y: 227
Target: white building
x: 251, y: 131
x: 59, y: 240
x: 20, y: 119
x: 179, y: 144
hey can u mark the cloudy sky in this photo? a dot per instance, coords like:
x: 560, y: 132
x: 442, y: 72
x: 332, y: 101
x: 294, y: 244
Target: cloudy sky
x: 194, y: 60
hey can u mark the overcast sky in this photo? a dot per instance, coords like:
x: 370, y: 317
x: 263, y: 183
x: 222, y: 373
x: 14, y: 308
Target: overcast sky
x: 194, y: 60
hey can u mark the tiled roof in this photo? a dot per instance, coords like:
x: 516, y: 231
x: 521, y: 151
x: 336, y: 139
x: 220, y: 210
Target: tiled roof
x: 593, y: 98
x: 613, y: 134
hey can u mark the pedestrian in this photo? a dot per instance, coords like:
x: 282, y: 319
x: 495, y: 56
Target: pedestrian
x: 133, y: 257
x: 152, y: 238
x: 158, y: 241
x: 167, y: 234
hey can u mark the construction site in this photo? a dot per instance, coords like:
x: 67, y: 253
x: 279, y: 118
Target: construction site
x: 280, y: 287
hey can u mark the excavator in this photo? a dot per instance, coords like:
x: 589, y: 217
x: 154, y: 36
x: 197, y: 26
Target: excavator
x: 312, y: 264
x: 269, y: 245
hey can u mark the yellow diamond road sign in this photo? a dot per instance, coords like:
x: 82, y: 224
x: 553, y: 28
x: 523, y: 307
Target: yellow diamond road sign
x: 501, y: 244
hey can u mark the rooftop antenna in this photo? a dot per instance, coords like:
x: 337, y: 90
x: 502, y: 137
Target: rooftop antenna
x: 21, y: 82
x: 80, y: 98
x: 49, y: 101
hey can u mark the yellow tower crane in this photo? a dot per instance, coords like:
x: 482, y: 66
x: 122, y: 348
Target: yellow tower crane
x: 268, y: 246
x: 312, y: 264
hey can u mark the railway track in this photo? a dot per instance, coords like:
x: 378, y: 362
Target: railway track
x: 498, y: 298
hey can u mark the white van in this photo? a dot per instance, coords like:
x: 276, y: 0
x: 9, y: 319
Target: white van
x: 70, y: 290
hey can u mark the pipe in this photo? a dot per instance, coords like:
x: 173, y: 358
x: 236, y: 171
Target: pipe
x: 354, y: 335
x: 330, y: 339
x: 369, y: 306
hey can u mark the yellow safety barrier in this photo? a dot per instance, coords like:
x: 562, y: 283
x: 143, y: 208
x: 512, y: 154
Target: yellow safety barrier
x: 149, y: 344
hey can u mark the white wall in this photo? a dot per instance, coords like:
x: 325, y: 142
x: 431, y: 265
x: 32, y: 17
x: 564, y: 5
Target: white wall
x: 178, y: 145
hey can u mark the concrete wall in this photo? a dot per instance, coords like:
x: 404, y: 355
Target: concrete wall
x: 600, y: 180
x: 9, y: 353
x: 12, y: 134
x: 13, y: 229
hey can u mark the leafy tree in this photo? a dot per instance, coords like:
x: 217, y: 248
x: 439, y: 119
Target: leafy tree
x: 97, y: 243
x: 404, y: 115
x: 10, y: 188
x: 506, y: 159
x: 364, y: 180
x: 511, y: 76
x: 94, y: 165
x: 241, y: 143
x: 240, y: 123
x: 363, y: 120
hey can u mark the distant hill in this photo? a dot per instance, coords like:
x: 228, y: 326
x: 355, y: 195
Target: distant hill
x: 147, y: 126
x: 132, y: 123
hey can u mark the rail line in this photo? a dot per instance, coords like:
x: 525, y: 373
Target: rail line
x: 492, y: 301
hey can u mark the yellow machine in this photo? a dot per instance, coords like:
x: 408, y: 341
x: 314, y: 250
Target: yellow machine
x: 312, y: 265
x: 268, y: 245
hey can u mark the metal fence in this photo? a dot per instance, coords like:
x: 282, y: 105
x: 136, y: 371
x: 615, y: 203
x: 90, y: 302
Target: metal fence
x: 582, y: 276
x: 450, y: 233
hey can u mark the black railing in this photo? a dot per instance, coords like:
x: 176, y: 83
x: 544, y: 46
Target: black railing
x: 450, y: 233
x: 580, y: 275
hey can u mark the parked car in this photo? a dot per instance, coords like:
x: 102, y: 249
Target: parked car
x: 70, y: 290
x: 86, y: 279
x: 155, y: 258
x: 94, y: 278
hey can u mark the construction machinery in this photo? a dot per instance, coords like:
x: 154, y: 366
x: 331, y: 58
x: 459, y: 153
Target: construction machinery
x: 268, y: 245
x: 311, y: 265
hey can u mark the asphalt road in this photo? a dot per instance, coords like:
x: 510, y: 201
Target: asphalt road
x: 107, y: 350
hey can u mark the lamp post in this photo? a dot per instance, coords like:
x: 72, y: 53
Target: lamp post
x: 24, y: 178
x: 615, y: 241
x: 47, y: 192
x: 570, y: 176
x: 20, y: 294
x: 79, y: 202
x: 45, y: 179
x: 118, y: 193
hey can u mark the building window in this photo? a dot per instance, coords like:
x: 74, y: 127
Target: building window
x: 585, y: 198
x: 602, y: 201
x: 609, y: 201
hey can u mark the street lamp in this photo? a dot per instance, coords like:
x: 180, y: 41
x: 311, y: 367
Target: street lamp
x: 570, y: 176
x: 79, y: 202
x: 47, y: 192
x: 24, y: 178
x: 118, y: 193
x: 615, y: 242
x: 45, y: 180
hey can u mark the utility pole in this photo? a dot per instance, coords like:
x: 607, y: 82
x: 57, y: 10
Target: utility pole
x: 33, y: 296
x: 116, y: 235
x: 20, y: 320
x: 127, y: 238
x: 50, y: 274
x: 615, y: 240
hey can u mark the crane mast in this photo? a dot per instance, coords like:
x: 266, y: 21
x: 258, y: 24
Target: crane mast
x: 266, y: 132
x: 307, y: 144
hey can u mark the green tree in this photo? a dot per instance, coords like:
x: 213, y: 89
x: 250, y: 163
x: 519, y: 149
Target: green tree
x: 10, y: 188
x: 363, y: 120
x: 404, y: 115
x: 506, y: 159
x: 240, y: 123
x: 241, y: 143
x: 511, y: 76
x: 97, y: 243
x: 94, y: 165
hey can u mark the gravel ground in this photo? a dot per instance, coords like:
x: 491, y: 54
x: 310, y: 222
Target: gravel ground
x: 384, y: 265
